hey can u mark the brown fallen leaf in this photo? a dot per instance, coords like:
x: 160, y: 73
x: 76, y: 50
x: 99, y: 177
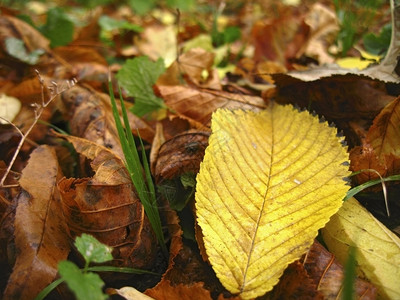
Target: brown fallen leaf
x: 90, y: 116
x: 295, y: 284
x: 14, y: 27
x: 165, y: 291
x: 191, y: 66
x: 345, y: 100
x: 380, y: 150
x: 199, y: 104
x: 327, y: 274
x: 41, y: 237
x: 107, y: 207
x: 280, y: 39
x: 181, y: 154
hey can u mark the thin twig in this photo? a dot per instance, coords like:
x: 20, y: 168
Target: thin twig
x: 38, y: 110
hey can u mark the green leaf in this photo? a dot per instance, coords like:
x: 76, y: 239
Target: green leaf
x: 86, y: 286
x: 107, y: 23
x: 231, y: 34
x: 378, y: 44
x: 16, y: 48
x: 93, y: 3
x: 59, y: 29
x: 183, y: 5
x: 92, y: 250
x: 137, y: 77
x: 142, y: 7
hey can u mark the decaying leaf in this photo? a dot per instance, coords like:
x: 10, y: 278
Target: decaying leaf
x: 268, y: 182
x: 326, y: 272
x: 199, y: 104
x: 181, y: 154
x: 41, y: 236
x: 380, y: 150
x: 107, y: 207
x: 165, y: 291
x: 295, y: 284
x: 343, y: 99
x: 378, y: 249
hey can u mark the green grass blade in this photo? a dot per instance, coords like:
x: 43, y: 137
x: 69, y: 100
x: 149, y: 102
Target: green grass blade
x: 120, y: 270
x: 359, y: 188
x: 43, y: 293
x: 349, y: 279
x: 135, y: 169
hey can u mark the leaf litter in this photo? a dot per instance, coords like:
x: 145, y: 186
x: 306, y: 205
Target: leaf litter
x: 96, y: 195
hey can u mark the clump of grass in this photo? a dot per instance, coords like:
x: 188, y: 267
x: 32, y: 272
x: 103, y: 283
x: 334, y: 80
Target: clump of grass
x: 145, y: 188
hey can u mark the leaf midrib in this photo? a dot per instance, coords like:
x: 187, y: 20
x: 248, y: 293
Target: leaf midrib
x: 242, y: 288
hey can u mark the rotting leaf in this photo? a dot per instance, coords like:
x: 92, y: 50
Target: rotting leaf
x: 380, y: 150
x: 377, y: 248
x: 181, y: 154
x: 326, y: 272
x: 295, y: 284
x: 268, y: 182
x: 165, y: 291
x: 199, y: 104
x: 41, y: 236
x: 107, y: 207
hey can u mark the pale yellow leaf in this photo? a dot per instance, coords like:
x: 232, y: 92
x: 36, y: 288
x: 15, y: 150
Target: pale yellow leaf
x: 9, y: 108
x: 378, y: 249
x: 131, y: 293
x: 269, y: 180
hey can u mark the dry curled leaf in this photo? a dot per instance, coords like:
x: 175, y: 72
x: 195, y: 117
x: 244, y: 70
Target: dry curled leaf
x: 199, y: 104
x: 41, y: 237
x: 380, y: 150
x: 181, y: 154
x: 326, y: 272
x: 107, y: 207
x: 165, y: 291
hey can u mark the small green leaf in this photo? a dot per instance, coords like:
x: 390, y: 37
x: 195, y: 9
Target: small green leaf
x: 142, y: 7
x: 183, y: 5
x: 231, y: 34
x: 137, y: 77
x: 86, y: 286
x: 107, y: 23
x: 378, y: 44
x: 16, y: 48
x: 59, y: 28
x: 92, y: 250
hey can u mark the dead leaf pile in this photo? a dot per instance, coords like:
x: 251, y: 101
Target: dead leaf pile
x: 65, y: 184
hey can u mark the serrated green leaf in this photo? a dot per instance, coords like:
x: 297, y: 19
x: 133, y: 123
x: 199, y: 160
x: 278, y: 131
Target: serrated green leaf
x: 59, y: 29
x: 92, y: 250
x: 16, y: 48
x: 86, y: 286
x: 137, y: 77
x: 268, y: 182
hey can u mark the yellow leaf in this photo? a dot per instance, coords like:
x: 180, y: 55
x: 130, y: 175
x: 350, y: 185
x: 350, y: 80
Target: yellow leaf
x: 378, y: 249
x: 9, y: 108
x: 353, y: 63
x: 269, y: 180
